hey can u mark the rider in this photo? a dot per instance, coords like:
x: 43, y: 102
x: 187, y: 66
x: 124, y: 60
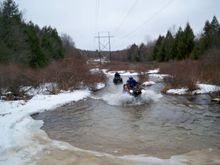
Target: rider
x: 117, y: 75
x: 131, y: 82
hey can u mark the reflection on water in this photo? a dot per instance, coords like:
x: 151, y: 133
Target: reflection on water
x: 169, y: 126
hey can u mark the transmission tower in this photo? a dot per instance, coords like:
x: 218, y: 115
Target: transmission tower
x: 104, y: 43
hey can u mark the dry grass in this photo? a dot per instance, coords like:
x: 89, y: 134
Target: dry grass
x: 187, y: 73
x: 184, y: 74
x: 68, y: 74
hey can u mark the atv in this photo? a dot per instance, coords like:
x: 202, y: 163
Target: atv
x: 134, y: 91
x: 117, y: 80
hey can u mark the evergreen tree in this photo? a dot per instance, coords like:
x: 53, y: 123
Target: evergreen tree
x: 209, y: 38
x: 141, y: 52
x: 168, y: 46
x: 157, y: 48
x: 189, y: 41
x: 10, y: 10
x: 15, y: 47
x: 133, y: 53
x: 51, y: 43
x: 37, y: 57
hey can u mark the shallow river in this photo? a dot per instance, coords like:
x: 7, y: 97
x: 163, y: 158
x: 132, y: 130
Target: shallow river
x: 154, y: 125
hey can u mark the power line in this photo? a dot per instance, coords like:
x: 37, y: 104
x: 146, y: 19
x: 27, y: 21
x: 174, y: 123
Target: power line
x: 148, y: 20
x: 126, y: 16
x: 97, y: 7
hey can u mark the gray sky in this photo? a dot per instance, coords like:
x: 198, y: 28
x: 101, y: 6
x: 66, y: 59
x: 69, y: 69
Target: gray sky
x: 128, y: 21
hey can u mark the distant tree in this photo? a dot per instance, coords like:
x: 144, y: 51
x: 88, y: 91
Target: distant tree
x: 37, y: 57
x: 143, y: 52
x: 68, y: 45
x: 10, y: 10
x: 12, y: 35
x: 158, y: 49
x: 168, y: 46
x: 51, y: 43
x: 209, y: 38
x: 188, y: 40
x: 133, y: 53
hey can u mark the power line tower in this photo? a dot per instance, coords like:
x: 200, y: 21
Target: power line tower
x: 104, y: 42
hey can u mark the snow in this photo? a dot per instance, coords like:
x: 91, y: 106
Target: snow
x: 100, y: 86
x: 122, y: 73
x: 94, y: 70
x: 158, y: 76
x: 181, y: 91
x: 154, y: 71
x: 149, y: 83
x: 16, y: 125
x: 206, y: 88
x: 203, y: 89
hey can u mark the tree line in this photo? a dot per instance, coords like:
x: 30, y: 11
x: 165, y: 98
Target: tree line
x: 26, y: 43
x: 181, y: 45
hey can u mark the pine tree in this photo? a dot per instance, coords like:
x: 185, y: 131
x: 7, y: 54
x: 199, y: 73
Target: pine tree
x: 10, y: 10
x: 37, y: 59
x: 189, y: 40
x: 157, y: 49
x: 51, y: 43
x: 133, y: 53
x: 168, y: 46
x: 142, y: 52
x: 209, y: 38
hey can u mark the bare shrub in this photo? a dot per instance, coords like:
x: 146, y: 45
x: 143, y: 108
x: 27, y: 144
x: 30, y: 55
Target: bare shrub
x: 71, y: 73
x: 183, y: 74
x: 13, y: 77
x: 67, y: 74
x: 210, y: 66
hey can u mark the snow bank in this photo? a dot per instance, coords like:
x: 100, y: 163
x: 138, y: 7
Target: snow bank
x: 149, y: 83
x: 16, y: 125
x: 130, y: 73
x: 203, y: 88
x: 153, y: 71
x: 181, y: 91
x: 122, y: 73
x: 100, y: 86
x: 94, y: 70
x: 158, y: 76
x: 206, y: 88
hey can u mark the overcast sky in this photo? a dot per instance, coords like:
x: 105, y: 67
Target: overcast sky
x: 128, y: 21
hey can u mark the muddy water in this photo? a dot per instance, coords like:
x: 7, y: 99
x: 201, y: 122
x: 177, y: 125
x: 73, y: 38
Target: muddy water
x: 159, y: 125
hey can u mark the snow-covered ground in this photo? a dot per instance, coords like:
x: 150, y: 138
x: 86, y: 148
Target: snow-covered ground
x: 17, y: 127
x: 202, y: 89
x: 180, y: 91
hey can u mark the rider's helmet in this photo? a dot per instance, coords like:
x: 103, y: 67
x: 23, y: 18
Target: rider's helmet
x: 130, y: 78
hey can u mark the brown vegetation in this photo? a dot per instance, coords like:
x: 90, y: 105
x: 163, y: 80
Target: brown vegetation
x: 183, y: 74
x: 68, y: 74
x: 187, y: 73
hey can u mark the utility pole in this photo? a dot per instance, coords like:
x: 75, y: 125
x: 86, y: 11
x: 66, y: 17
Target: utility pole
x: 103, y: 41
x: 100, y: 56
x: 109, y: 46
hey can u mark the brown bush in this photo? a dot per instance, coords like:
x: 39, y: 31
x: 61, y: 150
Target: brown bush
x: 183, y: 74
x: 210, y: 66
x: 69, y: 73
x: 187, y: 73
x: 12, y: 77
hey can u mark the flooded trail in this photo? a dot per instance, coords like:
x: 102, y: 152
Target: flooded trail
x: 116, y: 125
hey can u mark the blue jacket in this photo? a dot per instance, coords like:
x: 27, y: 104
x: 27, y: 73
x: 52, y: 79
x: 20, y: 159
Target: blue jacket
x: 131, y: 82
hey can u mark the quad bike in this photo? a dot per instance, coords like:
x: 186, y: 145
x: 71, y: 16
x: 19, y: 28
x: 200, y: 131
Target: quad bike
x: 134, y: 91
x: 117, y: 80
